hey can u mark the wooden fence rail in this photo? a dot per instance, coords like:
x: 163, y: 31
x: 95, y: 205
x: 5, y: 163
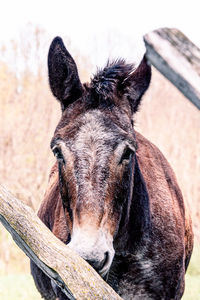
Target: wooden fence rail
x: 177, y: 58
x: 76, y: 278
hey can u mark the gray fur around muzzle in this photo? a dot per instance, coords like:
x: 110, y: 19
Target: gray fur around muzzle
x: 95, y: 247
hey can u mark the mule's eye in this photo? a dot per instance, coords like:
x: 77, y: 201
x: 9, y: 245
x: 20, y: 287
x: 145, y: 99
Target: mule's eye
x: 126, y: 155
x: 58, y: 154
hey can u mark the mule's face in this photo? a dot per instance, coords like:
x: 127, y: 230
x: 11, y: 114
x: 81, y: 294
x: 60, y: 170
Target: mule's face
x: 94, y: 145
x: 94, y: 157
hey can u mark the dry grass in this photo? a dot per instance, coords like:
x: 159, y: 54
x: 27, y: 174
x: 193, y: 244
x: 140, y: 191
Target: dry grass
x: 28, y: 118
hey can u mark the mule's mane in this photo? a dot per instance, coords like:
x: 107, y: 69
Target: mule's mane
x: 110, y: 80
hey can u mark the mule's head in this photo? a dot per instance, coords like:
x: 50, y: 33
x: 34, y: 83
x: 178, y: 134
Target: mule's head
x: 94, y: 144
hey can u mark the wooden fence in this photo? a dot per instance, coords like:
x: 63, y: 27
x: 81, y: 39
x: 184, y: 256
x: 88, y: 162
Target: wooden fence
x: 177, y: 58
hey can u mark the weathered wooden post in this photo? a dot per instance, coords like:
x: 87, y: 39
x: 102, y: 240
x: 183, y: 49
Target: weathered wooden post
x: 177, y: 58
x: 76, y: 278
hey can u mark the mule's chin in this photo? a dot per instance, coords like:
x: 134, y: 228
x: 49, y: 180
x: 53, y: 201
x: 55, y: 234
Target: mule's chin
x: 104, y: 273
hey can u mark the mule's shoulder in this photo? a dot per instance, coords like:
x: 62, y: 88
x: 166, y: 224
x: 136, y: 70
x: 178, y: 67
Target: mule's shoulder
x: 149, y: 155
x: 162, y: 185
x: 154, y: 166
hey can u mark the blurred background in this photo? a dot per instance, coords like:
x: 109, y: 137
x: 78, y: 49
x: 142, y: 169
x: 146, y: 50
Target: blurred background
x: 93, y: 31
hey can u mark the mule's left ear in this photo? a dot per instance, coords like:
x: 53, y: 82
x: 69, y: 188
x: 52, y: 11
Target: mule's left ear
x: 63, y: 74
x: 137, y: 83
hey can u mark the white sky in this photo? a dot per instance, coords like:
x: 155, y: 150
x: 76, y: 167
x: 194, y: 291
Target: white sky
x: 91, y: 25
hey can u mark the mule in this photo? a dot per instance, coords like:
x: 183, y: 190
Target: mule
x: 112, y: 195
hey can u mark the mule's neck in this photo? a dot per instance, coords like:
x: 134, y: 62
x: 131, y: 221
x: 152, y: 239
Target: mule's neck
x: 135, y: 224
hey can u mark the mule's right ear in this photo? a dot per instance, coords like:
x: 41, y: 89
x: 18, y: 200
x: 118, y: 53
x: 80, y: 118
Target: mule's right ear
x: 63, y: 74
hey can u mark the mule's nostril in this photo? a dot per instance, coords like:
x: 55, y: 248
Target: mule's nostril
x: 104, y: 262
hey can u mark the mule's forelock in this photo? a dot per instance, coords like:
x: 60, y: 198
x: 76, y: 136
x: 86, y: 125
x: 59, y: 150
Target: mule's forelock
x: 118, y: 81
x: 107, y: 83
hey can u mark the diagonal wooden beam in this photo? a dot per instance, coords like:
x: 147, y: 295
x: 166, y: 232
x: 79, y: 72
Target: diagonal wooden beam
x: 177, y: 58
x: 76, y: 278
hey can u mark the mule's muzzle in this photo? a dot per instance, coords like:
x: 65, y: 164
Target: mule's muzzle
x: 96, y: 249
